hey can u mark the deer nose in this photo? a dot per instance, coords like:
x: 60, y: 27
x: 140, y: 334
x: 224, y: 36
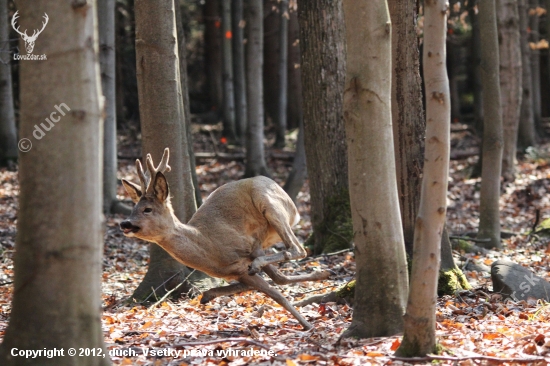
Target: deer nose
x: 126, y: 225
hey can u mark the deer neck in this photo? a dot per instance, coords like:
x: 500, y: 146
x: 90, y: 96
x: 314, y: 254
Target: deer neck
x: 184, y: 243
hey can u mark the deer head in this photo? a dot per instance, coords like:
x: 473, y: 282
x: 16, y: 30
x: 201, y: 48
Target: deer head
x: 29, y: 40
x: 152, y: 216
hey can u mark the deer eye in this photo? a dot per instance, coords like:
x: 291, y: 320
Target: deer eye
x: 148, y: 210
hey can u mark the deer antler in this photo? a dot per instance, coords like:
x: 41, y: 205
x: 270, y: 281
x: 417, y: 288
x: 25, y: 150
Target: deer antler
x: 145, y: 177
x: 13, y: 20
x: 35, y: 34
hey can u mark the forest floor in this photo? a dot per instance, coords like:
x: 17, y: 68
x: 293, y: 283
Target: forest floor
x: 474, y: 327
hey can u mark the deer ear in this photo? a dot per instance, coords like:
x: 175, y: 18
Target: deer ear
x: 161, y: 187
x: 133, y: 190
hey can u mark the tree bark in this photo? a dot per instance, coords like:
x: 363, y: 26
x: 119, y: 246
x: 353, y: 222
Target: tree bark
x: 162, y: 116
x: 182, y: 53
x: 270, y: 71
x: 107, y: 57
x: 57, y: 286
x: 407, y: 112
x: 297, y: 175
x: 526, y: 133
x: 8, y: 132
x: 382, y: 283
x: 419, y: 321
x: 255, y: 156
x: 510, y: 82
x: 534, y: 25
x: 283, y: 75
x: 322, y: 44
x: 213, y: 52
x: 489, y: 223
x: 238, y: 25
x: 228, y: 91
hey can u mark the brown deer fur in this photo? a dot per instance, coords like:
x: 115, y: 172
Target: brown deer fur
x: 228, y: 234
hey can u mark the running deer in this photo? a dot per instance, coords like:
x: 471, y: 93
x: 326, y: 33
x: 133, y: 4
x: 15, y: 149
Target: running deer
x: 227, y: 236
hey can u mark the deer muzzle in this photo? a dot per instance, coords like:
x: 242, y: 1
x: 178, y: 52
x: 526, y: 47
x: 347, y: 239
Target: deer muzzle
x: 128, y: 228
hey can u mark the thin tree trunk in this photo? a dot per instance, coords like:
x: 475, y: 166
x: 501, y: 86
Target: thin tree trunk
x: 323, y: 65
x: 255, y: 157
x: 297, y: 175
x: 57, y: 289
x: 228, y: 91
x: 419, y: 321
x: 283, y: 75
x: 159, y: 86
x: 489, y: 219
x: 182, y: 53
x: 294, y: 109
x: 238, y: 25
x: 526, y: 133
x: 213, y: 52
x: 382, y: 283
x: 453, y: 62
x: 107, y: 57
x: 8, y: 133
x: 534, y: 25
x: 407, y: 112
x: 270, y: 71
x: 510, y: 82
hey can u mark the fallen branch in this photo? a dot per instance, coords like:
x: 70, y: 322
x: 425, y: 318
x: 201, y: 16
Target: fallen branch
x: 466, y: 358
x: 475, y: 240
x: 6, y: 283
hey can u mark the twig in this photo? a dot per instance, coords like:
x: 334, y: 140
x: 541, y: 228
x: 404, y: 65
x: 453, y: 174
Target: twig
x: 475, y: 240
x: 312, y: 258
x: 162, y: 284
x: 172, y: 290
x: 537, y: 218
x: 223, y: 340
x: 6, y: 283
x: 346, y: 240
x: 466, y: 358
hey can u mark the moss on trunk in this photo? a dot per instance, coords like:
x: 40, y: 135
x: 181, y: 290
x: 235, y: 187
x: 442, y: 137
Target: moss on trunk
x: 450, y: 281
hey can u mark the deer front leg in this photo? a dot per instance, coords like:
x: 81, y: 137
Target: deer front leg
x: 281, y: 279
x: 230, y: 289
x: 259, y: 284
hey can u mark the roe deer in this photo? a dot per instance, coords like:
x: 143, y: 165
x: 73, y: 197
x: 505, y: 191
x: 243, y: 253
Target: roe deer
x: 228, y: 234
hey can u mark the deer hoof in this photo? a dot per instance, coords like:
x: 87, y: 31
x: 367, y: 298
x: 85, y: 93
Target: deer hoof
x: 206, y: 297
x: 252, y: 270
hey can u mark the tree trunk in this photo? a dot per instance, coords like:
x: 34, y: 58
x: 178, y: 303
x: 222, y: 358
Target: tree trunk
x: 297, y: 175
x: 161, y: 114
x: 283, y: 75
x: 510, y: 82
x: 322, y: 44
x: 489, y: 220
x: 57, y: 287
x: 255, y: 159
x: 526, y: 133
x: 8, y: 133
x: 453, y: 62
x: 534, y: 24
x: 382, y: 283
x: 294, y: 110
x: 407, y: 112
x: 238, y: 68
x: 213, y: 52
x: 106, y: 28
x: 228, y: 91
x: 270, y: 72
x: 182, y: 53
x: 419, y: 321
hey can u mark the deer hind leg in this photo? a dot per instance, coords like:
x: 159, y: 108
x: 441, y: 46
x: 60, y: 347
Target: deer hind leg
x: 294, y: 249
x: 230, y: 289
x: 281, y: 279
x: 259, y: 284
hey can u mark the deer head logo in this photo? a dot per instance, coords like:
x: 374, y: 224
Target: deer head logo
x: 29, y: 40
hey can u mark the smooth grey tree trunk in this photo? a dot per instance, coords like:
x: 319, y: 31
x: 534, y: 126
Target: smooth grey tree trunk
x: 227, y: 75
x: 182, y: 53
x: 295, y: 113
x: 382, y: 279
x: 489, y: 219
x: 162, y: 116
x: 526, y: 133
x: 419, y: 321
x: 213, y: 52
x: 255, y: 156
x: 283, y: 75
x: 8, y: 132
x: 238, y: 24
x: 58, y: 262
x: 510, y: 82
x: 270, y: 71
x: 106, y: 26
x: 322, y: 43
